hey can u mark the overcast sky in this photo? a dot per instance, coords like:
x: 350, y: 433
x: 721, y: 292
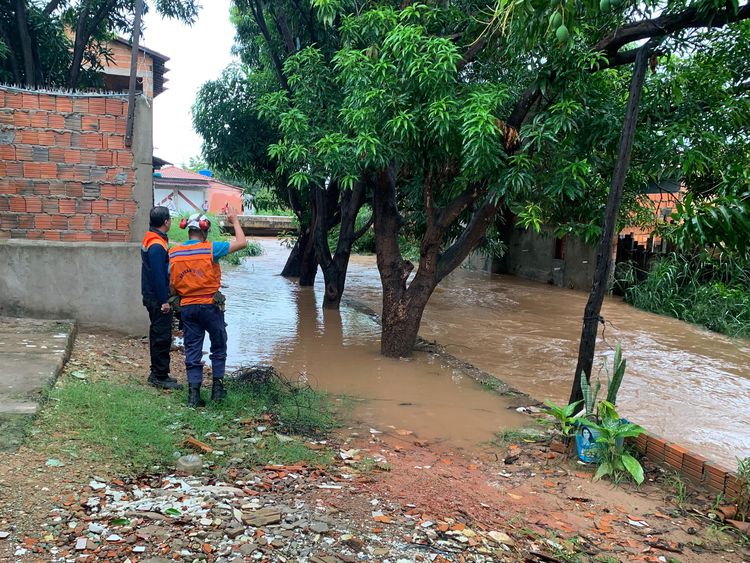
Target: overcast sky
x: 196, y: 54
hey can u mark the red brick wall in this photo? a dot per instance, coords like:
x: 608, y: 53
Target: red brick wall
x: 65, y: 173
x: 696, y: 468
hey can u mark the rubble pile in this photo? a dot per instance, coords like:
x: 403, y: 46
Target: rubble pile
x: 277, y: 513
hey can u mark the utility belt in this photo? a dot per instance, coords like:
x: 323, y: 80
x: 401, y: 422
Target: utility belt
x: 219, y: 300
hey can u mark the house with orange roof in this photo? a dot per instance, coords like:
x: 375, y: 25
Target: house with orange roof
x: 184, y: 191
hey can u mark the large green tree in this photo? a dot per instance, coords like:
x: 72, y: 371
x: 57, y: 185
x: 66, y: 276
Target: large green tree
x: 237, y: 139
x: 436, y: 106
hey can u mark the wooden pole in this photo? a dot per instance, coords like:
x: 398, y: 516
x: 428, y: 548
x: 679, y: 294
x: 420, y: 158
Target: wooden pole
x: 133, y: 72
x: 591, y: 315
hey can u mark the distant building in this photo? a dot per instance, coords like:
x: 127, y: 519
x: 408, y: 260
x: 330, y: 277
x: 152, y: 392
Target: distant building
x: 662, y: 198
x: 151, y: 69
x: 184, y: 191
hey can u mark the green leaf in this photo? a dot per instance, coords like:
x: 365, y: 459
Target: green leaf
x: 604, y: 469
x: 634, y: 468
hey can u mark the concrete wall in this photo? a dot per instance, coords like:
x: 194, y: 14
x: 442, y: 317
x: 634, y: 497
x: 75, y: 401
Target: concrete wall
x: 143, y: 151
x: 95, y: 283
x: 531, y: 256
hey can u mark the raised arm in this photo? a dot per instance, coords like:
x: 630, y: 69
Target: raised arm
x: 240, y: 241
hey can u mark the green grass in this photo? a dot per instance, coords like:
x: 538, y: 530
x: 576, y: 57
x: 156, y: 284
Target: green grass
x: 674, y: 482
x: 708, y: 291
x: 136, y: 427
x: 275, y: 211
x: 517, y: 435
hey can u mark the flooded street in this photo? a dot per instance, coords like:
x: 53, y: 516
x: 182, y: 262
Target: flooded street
x: 683, y: 383
x: 274, y: 321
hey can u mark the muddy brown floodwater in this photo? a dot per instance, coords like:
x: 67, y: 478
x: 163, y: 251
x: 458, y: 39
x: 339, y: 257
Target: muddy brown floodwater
x: 683, y: 383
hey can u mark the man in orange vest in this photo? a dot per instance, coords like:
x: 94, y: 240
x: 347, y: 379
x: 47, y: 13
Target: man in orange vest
x: 195, y: 275
x: 155, y: 292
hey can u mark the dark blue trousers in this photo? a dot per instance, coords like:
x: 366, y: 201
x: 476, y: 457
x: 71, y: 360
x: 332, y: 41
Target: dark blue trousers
x: 198, y: 320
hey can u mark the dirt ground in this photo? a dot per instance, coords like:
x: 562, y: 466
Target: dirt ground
x: 414, y: 501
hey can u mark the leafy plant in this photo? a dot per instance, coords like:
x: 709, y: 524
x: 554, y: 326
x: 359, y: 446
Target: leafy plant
x: 743, y: 499
x: 613, y: 384
x: 709, y: 290
x: 590, y: 393
x: 565, y: 416
x: 614, y: 461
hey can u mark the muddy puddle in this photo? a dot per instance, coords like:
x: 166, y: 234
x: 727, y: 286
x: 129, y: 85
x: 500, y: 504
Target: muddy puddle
x: 683, y: 383
x: 273, y: 321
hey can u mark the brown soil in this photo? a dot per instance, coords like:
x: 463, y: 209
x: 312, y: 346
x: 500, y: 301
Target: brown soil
x: 547, y: 503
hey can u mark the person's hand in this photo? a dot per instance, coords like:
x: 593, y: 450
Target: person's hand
x: 165, y: 308
x: 232, y: 213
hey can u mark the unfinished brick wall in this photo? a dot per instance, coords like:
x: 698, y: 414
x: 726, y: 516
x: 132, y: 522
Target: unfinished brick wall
x: 65, y: 172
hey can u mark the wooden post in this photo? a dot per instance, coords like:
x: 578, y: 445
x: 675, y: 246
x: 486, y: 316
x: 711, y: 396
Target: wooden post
x: 591, y: 315
x: 133, y: 72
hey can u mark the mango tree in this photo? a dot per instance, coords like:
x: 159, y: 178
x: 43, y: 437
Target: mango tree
x: 455, y: 114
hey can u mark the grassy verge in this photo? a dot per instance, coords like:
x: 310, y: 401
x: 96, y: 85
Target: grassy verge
x: 135, y: 428
x: 707, y: 291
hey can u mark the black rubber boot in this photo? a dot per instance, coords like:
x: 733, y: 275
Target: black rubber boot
x: 194, y: 396
x: 163, y: 382
x: 218, y: 392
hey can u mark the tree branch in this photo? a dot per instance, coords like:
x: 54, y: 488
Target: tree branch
x: 460, y: 203
x: 260, y: 19
x: 51, y: 7
x: 666, y: 24
x: 471, y: 53
x: 468, y: 241
x: 361, y: 232
x: 283, y: 28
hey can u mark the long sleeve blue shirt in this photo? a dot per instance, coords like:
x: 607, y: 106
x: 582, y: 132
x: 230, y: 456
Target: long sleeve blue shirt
x: 154, y: 271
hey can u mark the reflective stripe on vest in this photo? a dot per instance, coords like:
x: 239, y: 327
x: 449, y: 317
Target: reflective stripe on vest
x: 193, y: 273
x: 152, y: 238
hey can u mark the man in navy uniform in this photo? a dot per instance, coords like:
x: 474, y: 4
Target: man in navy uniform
x: 155, y: 291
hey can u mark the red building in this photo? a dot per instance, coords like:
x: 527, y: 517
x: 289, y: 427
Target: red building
x: 184, y: 191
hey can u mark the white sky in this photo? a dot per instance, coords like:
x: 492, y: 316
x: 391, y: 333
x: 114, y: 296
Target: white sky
x: 196, y: 54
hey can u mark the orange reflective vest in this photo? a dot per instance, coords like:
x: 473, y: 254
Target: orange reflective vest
x: 152, y: 238
x: 193, y: 273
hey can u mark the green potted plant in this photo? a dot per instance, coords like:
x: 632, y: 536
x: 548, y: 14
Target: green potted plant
x: 587, y: 423
x: 601, y: 432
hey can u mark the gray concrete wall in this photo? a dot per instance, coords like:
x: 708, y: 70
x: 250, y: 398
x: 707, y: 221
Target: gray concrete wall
x: 531, y: 256
x: 143, y: 150
x: 97, y: 284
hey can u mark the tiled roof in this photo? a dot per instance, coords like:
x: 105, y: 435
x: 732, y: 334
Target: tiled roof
x: 176, y: 173
x: 179, y: 173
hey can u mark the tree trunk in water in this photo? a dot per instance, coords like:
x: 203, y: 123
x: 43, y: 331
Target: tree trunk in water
x: 299, y: 265
x: 302, y: 263
x: 591, y: 315
x: 308, y: 267
x: 293, y: 265
x: 402, y: 307
x: 335, y: 266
